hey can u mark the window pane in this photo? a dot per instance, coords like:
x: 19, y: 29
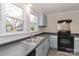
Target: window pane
x: 13, y: 17
x: 13, y: 11
x: 13, y: 25
x: 34, y: 23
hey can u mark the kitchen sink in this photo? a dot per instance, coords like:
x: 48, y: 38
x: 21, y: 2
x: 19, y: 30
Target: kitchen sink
x: 34, y: 40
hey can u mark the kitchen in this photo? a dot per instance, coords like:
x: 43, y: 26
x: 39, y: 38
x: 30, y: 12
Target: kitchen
x: 39, y: 29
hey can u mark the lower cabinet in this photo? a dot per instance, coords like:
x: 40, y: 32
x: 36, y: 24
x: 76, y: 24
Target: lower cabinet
x: 42, y: 49
x: 42, y: 52
x: 53, y: 41
x: 46, y: 47
x: 76, y: 45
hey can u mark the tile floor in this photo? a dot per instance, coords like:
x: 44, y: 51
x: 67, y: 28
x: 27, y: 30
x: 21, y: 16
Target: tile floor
x: 53, y: 52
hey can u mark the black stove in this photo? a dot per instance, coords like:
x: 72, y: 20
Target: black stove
x: 65, y: 41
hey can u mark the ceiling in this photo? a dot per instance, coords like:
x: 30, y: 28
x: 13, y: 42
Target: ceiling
x: 49, y: 8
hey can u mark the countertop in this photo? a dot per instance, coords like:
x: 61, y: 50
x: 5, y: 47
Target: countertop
x: 15, y: 38
x: 30, y: 47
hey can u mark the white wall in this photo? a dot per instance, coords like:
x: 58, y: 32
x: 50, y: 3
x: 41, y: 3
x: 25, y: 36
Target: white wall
x: 52, y: 21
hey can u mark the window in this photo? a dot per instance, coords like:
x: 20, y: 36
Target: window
x: 33, y: 18
x: 33, y: 23
x: 13, y: 18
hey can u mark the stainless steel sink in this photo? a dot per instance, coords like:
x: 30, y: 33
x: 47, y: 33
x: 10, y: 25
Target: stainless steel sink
x: 33, y: 40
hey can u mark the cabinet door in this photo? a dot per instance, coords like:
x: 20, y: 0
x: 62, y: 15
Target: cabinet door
x: 41, y: 51
x: 76, y: 42
x: 76, y: 45
x: 76, y: 50
x: 53, y: 42
x: 46, y: 47
x: 43, y: 48
x: 43, y: 20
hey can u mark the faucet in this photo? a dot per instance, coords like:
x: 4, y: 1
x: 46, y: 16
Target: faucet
x: 33, y: 37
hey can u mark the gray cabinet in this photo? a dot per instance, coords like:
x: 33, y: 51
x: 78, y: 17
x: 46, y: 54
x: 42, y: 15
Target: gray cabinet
x: 76, y: 45
x: 39, y: 50
x: 41, y: 53
x: 46, y: 46
x: 42, y: 20
x: 42, y: 49
x: 53, y: 41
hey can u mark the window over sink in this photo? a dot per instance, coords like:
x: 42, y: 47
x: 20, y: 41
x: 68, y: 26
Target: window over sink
x: 33, y: 18
x: 13, y: 18
x: 16, y: 18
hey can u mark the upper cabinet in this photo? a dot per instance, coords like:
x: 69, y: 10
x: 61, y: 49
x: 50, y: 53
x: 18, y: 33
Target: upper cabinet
x: 42, y: 20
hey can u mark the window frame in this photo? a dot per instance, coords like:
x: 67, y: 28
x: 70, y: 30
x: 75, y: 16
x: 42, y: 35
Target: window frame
x: 3, y: 25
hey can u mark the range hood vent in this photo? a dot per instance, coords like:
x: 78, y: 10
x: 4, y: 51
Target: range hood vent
x: 67, y: 21
x: 64, y: 25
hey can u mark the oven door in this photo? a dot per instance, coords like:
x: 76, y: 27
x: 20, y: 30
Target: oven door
x: 65, y: 43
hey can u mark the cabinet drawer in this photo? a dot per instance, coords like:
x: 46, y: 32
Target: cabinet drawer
x: 55, y: 37
x: 76, y: 39
x: 76, y: 44
x: 76, y: 49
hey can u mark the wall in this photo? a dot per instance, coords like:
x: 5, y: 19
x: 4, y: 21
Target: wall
x: 52, y: 21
